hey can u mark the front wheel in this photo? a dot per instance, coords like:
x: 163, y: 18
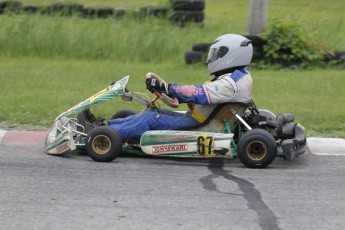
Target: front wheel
x: 103, y: 144
x: 257, y: 148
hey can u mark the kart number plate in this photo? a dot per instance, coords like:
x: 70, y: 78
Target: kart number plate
x: 205, y: 145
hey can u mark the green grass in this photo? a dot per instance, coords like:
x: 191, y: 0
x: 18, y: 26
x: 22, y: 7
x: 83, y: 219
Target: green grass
x: 58, y: 37
x: 77, y: 37
x: 49, y: 64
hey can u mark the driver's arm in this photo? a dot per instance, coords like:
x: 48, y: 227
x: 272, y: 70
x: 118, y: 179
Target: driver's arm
x: 189, y: 93
x: 184, y: 93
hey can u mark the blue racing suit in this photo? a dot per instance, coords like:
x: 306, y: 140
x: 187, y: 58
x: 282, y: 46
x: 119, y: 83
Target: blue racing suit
x: 202, y: 100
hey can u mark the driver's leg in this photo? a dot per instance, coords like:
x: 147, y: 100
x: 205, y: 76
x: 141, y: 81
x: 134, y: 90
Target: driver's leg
x: 131, y: 117
x: 122, y: 120
x: 134, y: 128
x: 172, y: 113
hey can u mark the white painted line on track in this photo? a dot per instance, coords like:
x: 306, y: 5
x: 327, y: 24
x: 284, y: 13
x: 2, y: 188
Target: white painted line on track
x: 326, y: 146
x: 2, y: 134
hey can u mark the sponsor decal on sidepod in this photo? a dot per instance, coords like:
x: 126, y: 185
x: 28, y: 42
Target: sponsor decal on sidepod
x: 170, y: 148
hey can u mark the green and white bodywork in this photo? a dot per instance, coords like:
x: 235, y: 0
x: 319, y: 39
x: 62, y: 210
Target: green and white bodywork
x: 64, y: 135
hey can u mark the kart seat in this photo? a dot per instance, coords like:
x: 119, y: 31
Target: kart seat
x: 215, y: 122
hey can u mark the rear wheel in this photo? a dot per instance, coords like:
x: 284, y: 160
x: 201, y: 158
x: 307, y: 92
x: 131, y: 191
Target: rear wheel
x: 257, y: 148
x: 103, y: 144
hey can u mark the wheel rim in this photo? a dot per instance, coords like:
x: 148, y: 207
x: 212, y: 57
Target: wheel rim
x: 256, y: 150
x: 101, y: 144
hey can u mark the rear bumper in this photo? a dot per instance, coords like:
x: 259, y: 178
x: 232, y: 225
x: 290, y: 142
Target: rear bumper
x: 296, y: 146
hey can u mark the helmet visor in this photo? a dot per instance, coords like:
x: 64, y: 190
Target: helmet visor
x: 216, y: 53
x: 212, y: 55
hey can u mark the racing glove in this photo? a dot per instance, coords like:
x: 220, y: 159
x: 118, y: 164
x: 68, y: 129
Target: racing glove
x: 153, y: 85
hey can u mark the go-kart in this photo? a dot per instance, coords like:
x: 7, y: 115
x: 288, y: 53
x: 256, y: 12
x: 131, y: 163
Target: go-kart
x: 233, y: 130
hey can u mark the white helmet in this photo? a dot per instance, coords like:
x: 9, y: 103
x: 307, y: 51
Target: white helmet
x: 228, y: 52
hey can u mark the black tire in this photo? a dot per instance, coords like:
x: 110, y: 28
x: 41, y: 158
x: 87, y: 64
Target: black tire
x: 105, y: 12
x: 257, y: 148
x: 123, y: 113
x: 182, y: 17
x: 89, y: 12
x: 339, y: 56
x: 64, y: 9
x: 103, y: 144
x: 32, y: 9
x: 201, y: 47
x: 192, y: 5
x: 192, y: 57
x: 159, y: 12
x: 256, y: 40
x: 11, y: 6
x: 258, y: 56
x: 120, y: 12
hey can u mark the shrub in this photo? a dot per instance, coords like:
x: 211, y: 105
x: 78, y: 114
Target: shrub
x: 289, y: 44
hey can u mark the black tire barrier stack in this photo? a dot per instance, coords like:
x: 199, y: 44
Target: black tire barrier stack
x: 186, y: 11
x: 69, y: 9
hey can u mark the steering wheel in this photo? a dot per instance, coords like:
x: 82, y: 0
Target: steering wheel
x: 172, y: 102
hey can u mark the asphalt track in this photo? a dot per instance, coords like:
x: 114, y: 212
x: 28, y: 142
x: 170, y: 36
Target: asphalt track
x: 38, y: 191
